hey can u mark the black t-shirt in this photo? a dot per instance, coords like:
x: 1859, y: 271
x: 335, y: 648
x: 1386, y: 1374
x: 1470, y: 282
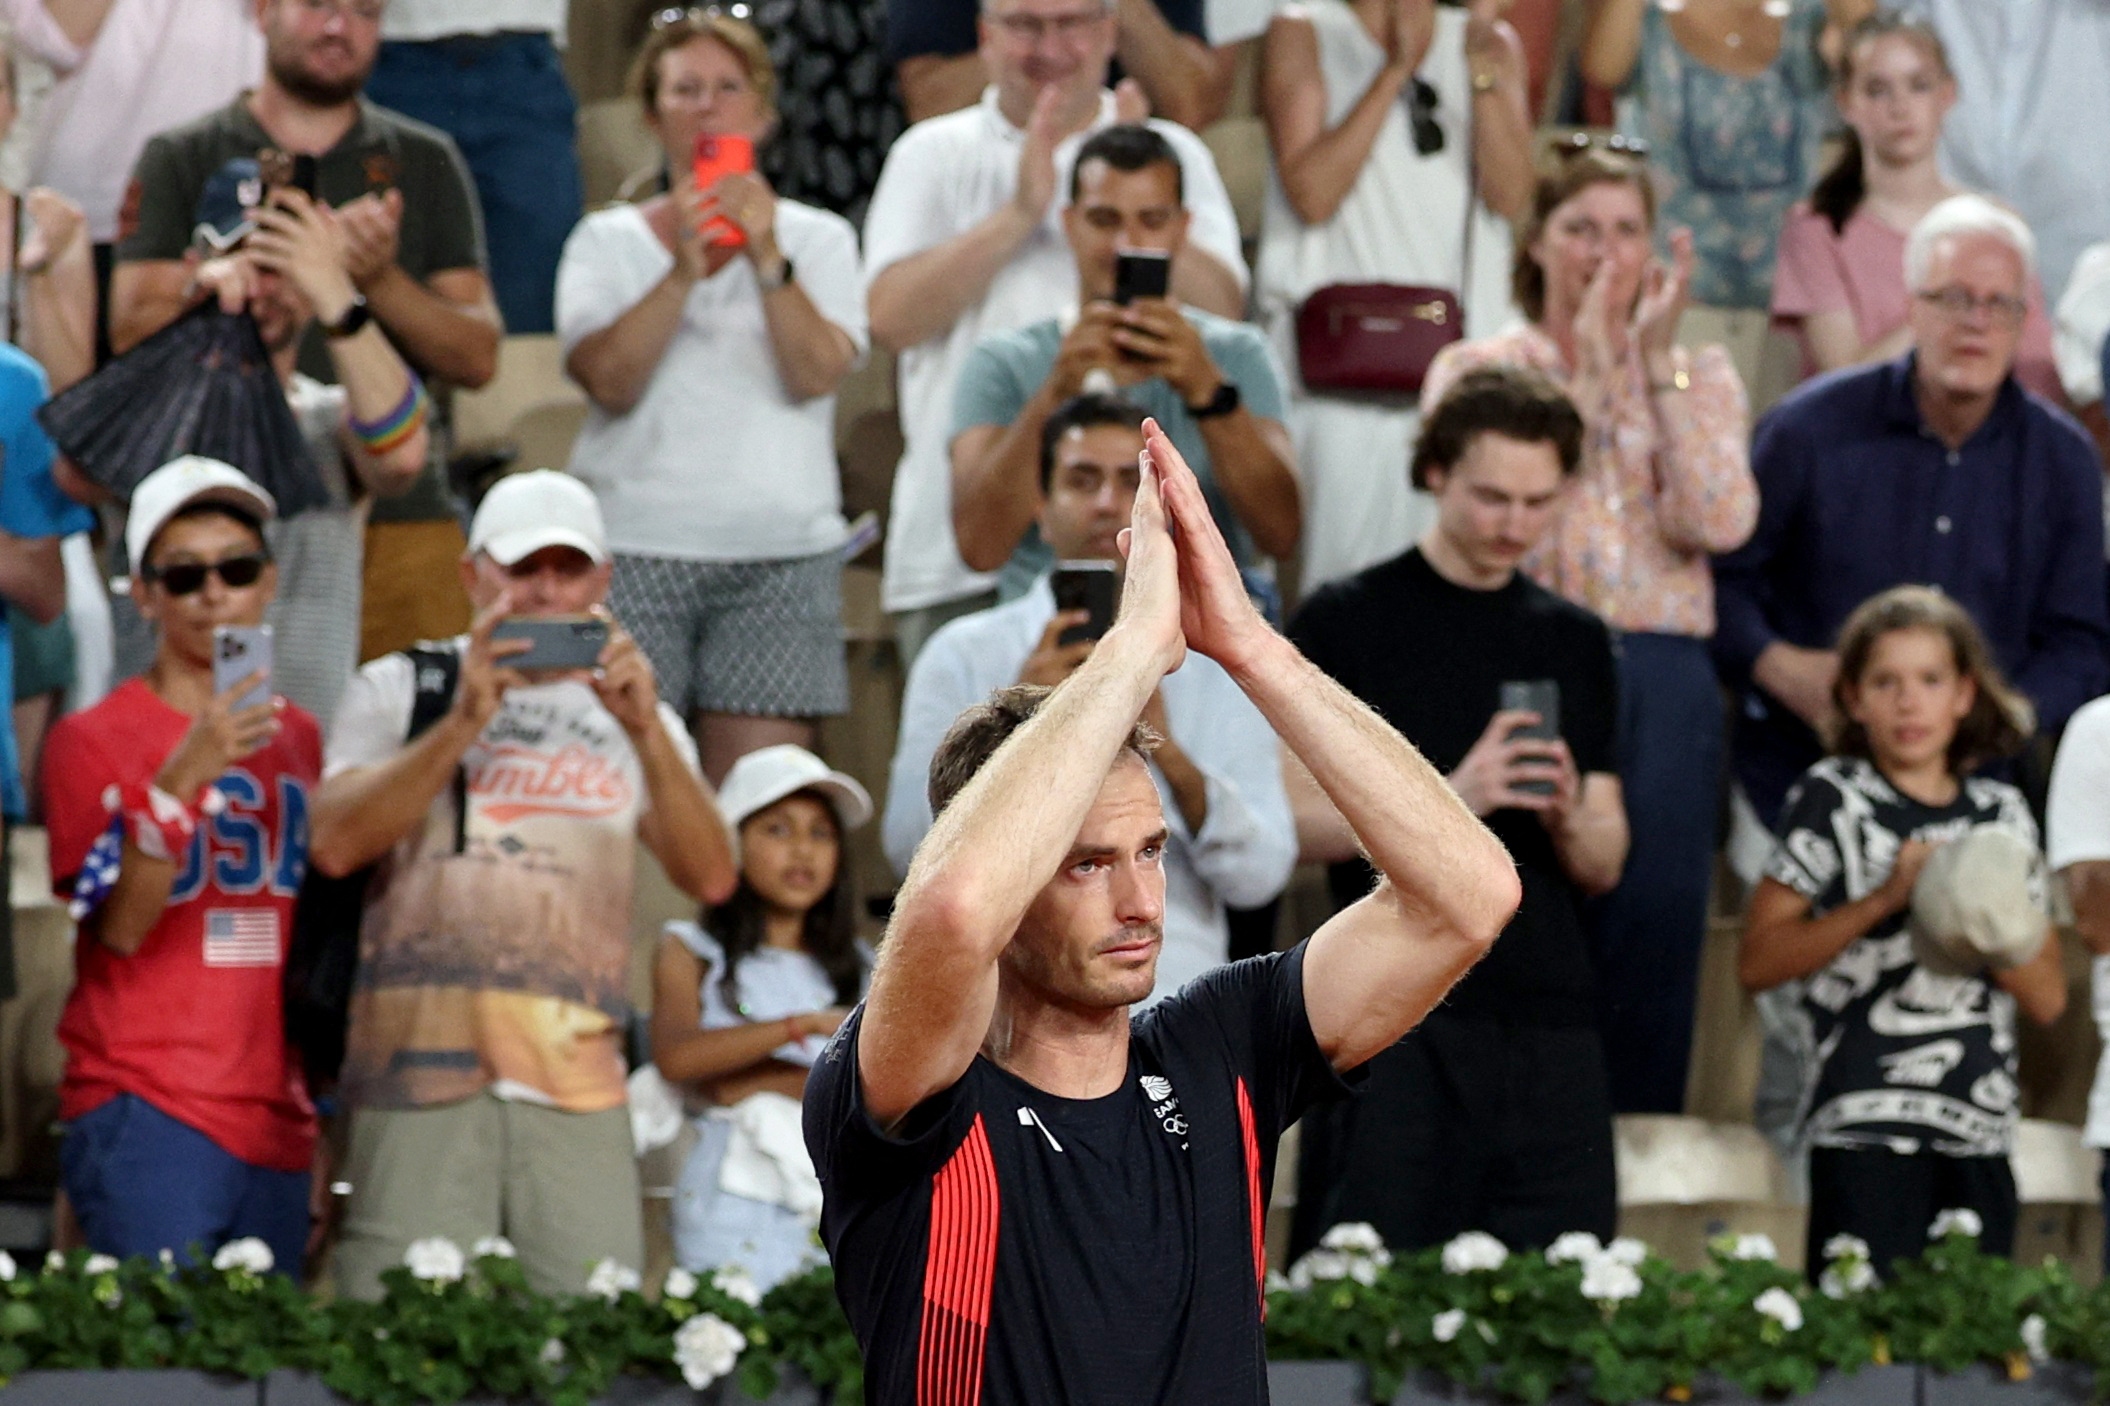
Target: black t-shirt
x: 1008, y: 1246
x: 1431, y: 658
x: 946, y: 27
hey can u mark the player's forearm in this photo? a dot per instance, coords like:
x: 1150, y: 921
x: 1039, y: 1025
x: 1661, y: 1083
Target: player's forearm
x: 360, y: 815
x: 1438, y: 856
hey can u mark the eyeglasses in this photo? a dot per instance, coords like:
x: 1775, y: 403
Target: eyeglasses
x: 365, y: 11
x: 1576, y: 143
x: 696, y: 14
x: 1960, y: 303
x: 1421, y: 115
x: 186, y: 578
x: 1031, y: 29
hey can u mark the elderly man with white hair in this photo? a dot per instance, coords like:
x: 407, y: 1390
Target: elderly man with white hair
x: 1936, y: 468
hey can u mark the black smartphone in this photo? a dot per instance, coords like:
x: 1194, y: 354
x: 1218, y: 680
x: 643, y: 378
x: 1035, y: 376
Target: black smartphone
x: 1541, y: 696
x: 556, y: 642
x: 303, y: 178
x: 1087, y: 586
x: 1141, y: 273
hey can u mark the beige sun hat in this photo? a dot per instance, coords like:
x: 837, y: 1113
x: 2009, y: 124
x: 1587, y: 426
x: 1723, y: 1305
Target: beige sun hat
x: 1978, y: 903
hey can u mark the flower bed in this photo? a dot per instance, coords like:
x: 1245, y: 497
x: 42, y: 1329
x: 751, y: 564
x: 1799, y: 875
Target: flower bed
x: 1612, y: 1323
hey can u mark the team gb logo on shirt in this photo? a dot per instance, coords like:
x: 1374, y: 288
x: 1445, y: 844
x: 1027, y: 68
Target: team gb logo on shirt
x: 1158, y: 1090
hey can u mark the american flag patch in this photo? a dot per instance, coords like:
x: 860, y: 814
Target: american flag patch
x: 241, y: 937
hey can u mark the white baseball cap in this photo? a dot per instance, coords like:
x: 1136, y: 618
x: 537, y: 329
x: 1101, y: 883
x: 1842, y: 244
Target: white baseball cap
x: 762, y: 778
x: 525, y: 512
x: 179, y: 484
x: 1978, y: 902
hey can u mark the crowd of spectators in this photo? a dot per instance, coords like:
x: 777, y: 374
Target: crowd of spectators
x: 1864, y: 634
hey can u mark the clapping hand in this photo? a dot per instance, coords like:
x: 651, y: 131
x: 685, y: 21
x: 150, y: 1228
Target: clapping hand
x: 372, y: 225
x: 1217, y: 616
x: 1665, y: 291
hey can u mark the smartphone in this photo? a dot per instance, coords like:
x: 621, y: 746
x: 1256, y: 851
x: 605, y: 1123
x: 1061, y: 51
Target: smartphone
x: 1541, y: 696
x: 718, y: 157
x: 237, y: 652
x: 1141, y: 273
x: 1087, y: 586
x: 278, y: 168
x: 556, y: 642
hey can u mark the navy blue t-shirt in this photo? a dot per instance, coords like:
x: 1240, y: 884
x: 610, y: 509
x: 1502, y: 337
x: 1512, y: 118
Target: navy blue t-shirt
x: 1004, y: 1245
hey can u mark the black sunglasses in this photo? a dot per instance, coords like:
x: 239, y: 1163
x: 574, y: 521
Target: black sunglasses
x: 1421, y: 115
x: 185, y: 578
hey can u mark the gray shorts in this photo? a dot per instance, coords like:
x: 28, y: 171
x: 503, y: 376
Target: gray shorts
x: 757, y: 638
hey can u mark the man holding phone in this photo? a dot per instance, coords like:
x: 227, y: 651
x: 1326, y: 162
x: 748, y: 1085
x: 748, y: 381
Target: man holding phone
x: 1231, y: 840
x: 483, y: 1068
x: 178, y: 819
x: 1212, y: 383
x: 1495, y: 1114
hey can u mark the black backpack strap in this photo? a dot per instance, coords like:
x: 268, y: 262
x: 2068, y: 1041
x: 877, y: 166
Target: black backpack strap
x: 435, y: 669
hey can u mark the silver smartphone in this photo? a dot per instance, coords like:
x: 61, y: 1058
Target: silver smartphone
x: 556, y: 643
x: 237, y: 652
x: 1541, y: 696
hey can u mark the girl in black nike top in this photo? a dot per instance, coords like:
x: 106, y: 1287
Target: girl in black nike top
x: 1908, y: 1092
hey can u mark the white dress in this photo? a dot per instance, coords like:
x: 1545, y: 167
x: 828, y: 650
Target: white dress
x: 1402, y: 222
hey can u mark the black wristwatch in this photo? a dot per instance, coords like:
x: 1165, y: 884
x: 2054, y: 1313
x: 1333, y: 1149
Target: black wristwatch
x: 356, y: 316
x: 1223, y: 402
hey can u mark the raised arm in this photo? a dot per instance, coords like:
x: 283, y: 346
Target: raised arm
x: 1611, y: 41
x: 1448, y: 887
x: 1187, y: 81
x: 997, y: 843
x: 1707, y: 500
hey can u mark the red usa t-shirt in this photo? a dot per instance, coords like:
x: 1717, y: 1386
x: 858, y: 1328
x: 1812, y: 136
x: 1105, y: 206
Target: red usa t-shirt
x: 193, y: 1021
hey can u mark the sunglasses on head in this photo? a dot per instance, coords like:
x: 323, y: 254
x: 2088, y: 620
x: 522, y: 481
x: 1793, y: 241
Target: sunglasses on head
x: 185, y: 578
x: 1576, y: 143
x: 693, y: 14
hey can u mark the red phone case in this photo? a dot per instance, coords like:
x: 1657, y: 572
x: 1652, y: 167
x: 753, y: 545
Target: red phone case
x: 716, y: 158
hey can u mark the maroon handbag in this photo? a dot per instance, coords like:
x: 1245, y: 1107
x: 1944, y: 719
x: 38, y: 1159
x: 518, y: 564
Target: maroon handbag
x: 1374, y: 336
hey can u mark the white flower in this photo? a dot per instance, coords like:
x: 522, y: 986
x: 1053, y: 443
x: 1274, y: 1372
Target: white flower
x: 1317, y: 1266
x: 1849, y: 1276
x: 7, y: 1267
x: 1960, y: 1220
x: 168, y: 1260
x: 1355, y: 1237
x: 53, y: 1260
x: 1446, y: 1324
x: 1754, y: 1247
x: 99, y: 1264
x: 705, y: 1348
x: 1779, y: 1305
x: 1474, y: 1250
x: 1607, y: 1281
x: 609, y: 1280
x: 552, y: 1353
x: 494, y: 1247
x: 679, y: 1284
x: 733, y: 1282
x: 1575, y: 1247
x: 1277, y: 1281
x: 2033, y: 1339
x: 1845, y: 1247
x: 435, y: 1258
x: 247, y: 1253
x: 1627, y: 1250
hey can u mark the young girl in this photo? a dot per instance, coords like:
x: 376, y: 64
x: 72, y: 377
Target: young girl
x: 1910, y: 1097
x: 743, y: 1003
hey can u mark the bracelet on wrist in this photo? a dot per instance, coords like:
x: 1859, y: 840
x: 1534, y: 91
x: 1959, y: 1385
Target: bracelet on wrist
x: 383, y: 435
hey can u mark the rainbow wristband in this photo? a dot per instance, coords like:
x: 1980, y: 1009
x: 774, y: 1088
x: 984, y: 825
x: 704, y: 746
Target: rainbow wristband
x: 382, y: 435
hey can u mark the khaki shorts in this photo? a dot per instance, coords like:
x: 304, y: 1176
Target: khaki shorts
x: 561, y: 1186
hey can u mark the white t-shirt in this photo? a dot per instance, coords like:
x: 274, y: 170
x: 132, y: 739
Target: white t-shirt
x: 2077, y: 831
x: 437, y: 19
x: 944, y: 176
x: 772, y: 983
x: 154, y: 65
x: 716, y: 462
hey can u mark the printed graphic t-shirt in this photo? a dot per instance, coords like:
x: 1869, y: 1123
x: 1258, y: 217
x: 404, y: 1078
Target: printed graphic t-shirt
x: 1006, y: 1245
x: 495, y: 953
x: 193, y: 1022
x: 1898, y: 1058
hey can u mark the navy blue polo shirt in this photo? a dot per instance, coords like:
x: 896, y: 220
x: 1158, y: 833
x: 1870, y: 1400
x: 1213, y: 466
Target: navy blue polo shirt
x: 1858, y: 495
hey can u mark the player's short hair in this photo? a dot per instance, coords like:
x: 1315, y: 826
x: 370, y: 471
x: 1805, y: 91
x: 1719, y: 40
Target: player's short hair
x: 1084, y: 412
x: 976, y: 734
x: 1512, y: 401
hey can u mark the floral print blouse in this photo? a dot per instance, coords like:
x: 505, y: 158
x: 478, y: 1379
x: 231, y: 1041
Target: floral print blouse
x: 1658, y: 492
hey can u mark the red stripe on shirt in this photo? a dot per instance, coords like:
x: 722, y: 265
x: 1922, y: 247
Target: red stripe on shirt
x: 959, y: 1275
x: 1256, y: 1208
